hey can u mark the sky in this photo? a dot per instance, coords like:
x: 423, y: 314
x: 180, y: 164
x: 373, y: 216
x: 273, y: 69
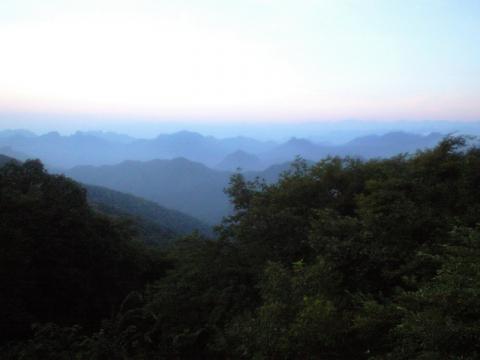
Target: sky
x: 257, y: 61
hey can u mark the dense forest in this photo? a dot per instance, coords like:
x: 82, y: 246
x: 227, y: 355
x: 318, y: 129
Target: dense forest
x: 343, y: 259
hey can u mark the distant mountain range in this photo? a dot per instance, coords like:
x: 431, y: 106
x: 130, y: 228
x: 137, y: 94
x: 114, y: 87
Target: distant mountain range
x: 187, y: 171
x: 103, y: 148
x: 192, y: 187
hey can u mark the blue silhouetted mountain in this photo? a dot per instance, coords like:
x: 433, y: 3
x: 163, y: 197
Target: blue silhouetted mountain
x: 296, y: 147
x: 179, y: 184
x: 240, y: 160
x: 366, y: 147
x: 247, y: 144
x: 389, y: 144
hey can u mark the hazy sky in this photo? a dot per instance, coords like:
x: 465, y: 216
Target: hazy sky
x: 242, y: 59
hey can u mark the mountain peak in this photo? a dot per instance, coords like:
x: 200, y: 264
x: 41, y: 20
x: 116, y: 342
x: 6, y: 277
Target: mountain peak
x: 298, y: 142
x: 240, y: 159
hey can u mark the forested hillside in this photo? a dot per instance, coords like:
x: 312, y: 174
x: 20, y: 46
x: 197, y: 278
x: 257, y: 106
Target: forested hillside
x: 5, y: 159
x: 150, y: 219
x: 60, y: 261
x: 344, y: 259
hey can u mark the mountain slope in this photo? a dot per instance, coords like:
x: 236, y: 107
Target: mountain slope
x: 6, y: 159
x: 179, y: 184
x: 8, y: 151
x: 152, y: 219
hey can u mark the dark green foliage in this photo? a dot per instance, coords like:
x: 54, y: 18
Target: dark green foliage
x: 380, y: 229
x: 209, y: 285
x: 344, y: 259
x: 440, y: 320
x: 60, y: 261
x: 5, y: 160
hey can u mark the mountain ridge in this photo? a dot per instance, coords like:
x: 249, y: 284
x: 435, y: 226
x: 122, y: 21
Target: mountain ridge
x: 97, y: 148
